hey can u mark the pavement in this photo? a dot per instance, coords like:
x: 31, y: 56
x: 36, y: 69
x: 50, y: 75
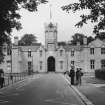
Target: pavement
x: 51, y: 89
x: 91, y: 91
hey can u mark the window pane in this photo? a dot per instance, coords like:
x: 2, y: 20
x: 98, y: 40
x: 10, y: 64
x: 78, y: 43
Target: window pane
x: 91, y: 50
x: 92, y: 64
x: 61, y: 52
x: 102, y: 50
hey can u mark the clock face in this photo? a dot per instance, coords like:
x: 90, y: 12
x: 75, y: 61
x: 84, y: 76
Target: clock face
x: 51, y: 46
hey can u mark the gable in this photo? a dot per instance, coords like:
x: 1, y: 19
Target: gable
x: 96, y: 43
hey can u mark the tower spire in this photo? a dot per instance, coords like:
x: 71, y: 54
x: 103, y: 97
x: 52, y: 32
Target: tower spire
x: 50, y: 13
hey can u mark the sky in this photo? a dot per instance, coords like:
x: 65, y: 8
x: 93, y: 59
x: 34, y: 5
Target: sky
x: 33, y: 22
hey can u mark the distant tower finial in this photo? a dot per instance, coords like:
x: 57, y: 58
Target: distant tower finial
x: 50, y: 12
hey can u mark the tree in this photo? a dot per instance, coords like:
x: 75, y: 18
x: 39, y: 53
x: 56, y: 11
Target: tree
x: 62, y: 43
x: 9, y: 17
x: 97, y: 13
x: 101, y: 36
x: 27, y: 40
x: 78, y: 37
x: 89, y: 39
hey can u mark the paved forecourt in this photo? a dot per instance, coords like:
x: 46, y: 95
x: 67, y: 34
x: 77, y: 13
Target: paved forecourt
x: 44, y: 89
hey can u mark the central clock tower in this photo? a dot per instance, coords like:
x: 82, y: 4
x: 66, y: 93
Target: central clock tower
x: 51, y: 36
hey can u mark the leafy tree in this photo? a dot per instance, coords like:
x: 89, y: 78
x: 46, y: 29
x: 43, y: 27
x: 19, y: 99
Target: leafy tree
x: 62, y: 43
x: 97, y: 13
x: 101, y: 36
x: 27, y: 40
x: 78, y: 37
x: 89, y: 39
x: 9, y: 17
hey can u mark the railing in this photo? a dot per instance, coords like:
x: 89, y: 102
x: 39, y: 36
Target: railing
x: 10, y: 78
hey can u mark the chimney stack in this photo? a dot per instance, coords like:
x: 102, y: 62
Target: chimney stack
x: 16, y: 40
x: 85, y: 40
x: 78, y: 43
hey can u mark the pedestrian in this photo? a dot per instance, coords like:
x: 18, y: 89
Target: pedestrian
x: 1, y: 78
x: 79, y: 74
x: 72, y: 75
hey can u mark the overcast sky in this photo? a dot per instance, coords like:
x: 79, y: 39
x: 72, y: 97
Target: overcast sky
x: 34, y: 22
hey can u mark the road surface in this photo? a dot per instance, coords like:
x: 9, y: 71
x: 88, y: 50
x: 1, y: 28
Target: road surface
x: 42, y: 89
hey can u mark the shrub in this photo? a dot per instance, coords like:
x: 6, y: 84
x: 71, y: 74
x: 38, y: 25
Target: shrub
x: 100, y: 73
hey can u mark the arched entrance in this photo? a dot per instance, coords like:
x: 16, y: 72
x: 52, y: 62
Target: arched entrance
x: 51, y: 64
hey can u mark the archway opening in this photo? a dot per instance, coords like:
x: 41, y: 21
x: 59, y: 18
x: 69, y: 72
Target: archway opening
x: 51, y: 64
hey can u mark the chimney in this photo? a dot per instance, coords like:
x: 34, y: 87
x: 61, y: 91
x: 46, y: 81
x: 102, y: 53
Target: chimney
x: 16, y: 40
x: 85, y: 40
x: 78, y: 43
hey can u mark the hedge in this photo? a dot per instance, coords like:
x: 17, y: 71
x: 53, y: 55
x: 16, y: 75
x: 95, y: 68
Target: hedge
x: 100, y: 73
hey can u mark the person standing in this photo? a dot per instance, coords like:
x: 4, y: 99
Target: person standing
x: 81, y: 74
x: 77, y: 76
x: 72, y: 75
x: 1, y: 78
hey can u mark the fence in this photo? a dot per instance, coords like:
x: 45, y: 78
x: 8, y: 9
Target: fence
x: 10, y: 78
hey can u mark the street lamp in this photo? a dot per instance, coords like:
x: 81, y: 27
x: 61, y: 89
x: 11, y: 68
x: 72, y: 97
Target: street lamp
x: 32, y: 64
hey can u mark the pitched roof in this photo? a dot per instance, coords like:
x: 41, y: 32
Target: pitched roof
x: 32, y: 48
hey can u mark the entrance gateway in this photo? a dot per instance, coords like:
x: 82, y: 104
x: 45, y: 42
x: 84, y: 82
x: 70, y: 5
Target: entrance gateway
x: 51, y: 64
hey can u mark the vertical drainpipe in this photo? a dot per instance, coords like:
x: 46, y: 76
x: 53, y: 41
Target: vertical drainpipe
x: 67, y: 61
x: 11, y: 57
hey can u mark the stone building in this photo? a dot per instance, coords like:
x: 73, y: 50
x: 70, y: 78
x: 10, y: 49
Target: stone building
x: 52, y: 57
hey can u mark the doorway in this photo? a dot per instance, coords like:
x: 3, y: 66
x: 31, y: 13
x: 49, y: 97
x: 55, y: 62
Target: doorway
x: 51, y: 64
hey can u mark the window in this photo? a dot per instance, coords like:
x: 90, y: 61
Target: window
x: 29, y: 65
x: 61, y: 64
x: 29, y: 53
x: 103, y: 63
x: 92, y: 64
x: 72, y: 62
x: 40, y: 65
x: 72, y: 53
x: 102, y: 50
x: 61, y: 52
x: 4, y: 49
x: 40, y: 53
x: 8, y: 51
x: 91, y: 50
x: 9, y: 61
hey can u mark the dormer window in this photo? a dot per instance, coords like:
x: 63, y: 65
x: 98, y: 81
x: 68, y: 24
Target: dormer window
x: 92, y: 51
x: 61, y: 52
x: 102, y: 50
x: 29, y: 53
x: 72, y: 52
x: 40, y: 53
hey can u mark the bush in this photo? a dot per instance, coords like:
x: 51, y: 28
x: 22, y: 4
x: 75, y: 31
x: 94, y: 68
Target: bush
x: 100, y: 73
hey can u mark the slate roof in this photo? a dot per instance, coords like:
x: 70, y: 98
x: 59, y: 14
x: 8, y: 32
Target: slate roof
x: 32, y: 48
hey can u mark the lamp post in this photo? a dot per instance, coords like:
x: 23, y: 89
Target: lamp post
x: 32, y: 65
x: 11, y: 56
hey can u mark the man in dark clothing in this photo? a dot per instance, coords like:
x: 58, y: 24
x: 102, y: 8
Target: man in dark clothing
x: 79, y: 74
x: 72, y: 75
x: 1, y: 78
